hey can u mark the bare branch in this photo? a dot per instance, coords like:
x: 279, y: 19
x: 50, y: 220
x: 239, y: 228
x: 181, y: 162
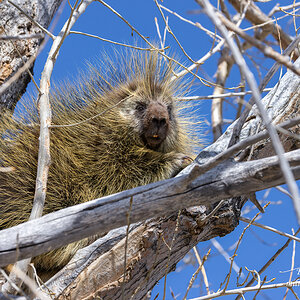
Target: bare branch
x: 44, y: 138
x: 202, y: 269
x: 244, y: 290
x: 21, y: 37
x: 271, y: 260
x: 113, y: 42
x: 157, y: 199
x: 208, y: 32
x: 257, y: 17
x: 206, y: 97
x: 263, y: 84
x: 290, y: 181
x: 224, y: 66
x: 271, y: 229
x: 266, y: 50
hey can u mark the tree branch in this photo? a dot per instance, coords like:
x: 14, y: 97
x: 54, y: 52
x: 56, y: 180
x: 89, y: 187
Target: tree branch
x: 227, y: 180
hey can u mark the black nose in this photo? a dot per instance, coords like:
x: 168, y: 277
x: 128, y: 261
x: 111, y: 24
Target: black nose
x: 159, y: 122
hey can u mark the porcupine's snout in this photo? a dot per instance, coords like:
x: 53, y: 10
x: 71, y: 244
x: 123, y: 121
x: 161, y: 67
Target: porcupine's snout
x: 156, y: 124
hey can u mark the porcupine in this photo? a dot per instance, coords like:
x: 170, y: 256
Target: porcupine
x: 128, y: 133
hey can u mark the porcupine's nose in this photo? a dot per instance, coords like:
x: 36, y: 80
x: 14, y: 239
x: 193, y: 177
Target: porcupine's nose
x: 158, y: 123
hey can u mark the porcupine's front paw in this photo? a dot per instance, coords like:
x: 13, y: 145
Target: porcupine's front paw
x: 184, y: 160
x: 180, y: 161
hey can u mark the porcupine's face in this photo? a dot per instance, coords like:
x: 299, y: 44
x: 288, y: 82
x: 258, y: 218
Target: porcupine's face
x: 153, y: 119
x: 155, y: 122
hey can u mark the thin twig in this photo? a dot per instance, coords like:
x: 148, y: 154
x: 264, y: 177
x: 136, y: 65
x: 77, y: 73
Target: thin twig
x: 124, y: 20
x: 238, y: 126
x: 229, y: 152
x: 172, y: 33
x: 158, y: 32
x: 170, y: 250
x: 67, y: 28
x: 226, y: 95
x: 227, y: 257
x: 270, y: 229
x: 244, y: 290
x: 30, y: 284
x: 266, y: 50
x: 290, y: 134
x: 8, y: 279
x: 292, y: 264
x: 271, y: 260
x: 237, y: 246
x: 113, y: 42
x: 210, y: 53
x: 198, y: 25
x: 203, y: 81
x: 280, y: 8
x: 195, y: 275
x: 202, y: 270
x: 284, y: 191
x: 224, y: 291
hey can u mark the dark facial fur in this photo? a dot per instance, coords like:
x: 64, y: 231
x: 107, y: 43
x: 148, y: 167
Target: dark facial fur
x: 156, y: 122
x: 153, y: 120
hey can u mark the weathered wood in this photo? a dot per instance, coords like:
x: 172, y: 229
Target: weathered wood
x: 147, y: 259
x: 14, y: 54
x: 158, y: 199
x: 148, y: 263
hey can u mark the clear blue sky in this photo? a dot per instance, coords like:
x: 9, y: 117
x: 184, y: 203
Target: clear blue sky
x: 258, y: 245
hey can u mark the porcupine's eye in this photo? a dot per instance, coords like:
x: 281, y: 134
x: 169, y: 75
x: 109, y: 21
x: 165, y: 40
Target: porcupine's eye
x: 140, y: 107
x: 170, y: 111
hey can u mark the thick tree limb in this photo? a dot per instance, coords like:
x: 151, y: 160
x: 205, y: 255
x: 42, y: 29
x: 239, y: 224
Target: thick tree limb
x: 227, y: 180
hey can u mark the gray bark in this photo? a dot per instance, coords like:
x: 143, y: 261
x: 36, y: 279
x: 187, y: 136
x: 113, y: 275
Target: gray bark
x: 15, y: 53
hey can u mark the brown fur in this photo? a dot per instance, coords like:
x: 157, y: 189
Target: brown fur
x: 136, y: 139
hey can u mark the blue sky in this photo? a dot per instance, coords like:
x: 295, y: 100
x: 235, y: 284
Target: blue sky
x: 258, y: 245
